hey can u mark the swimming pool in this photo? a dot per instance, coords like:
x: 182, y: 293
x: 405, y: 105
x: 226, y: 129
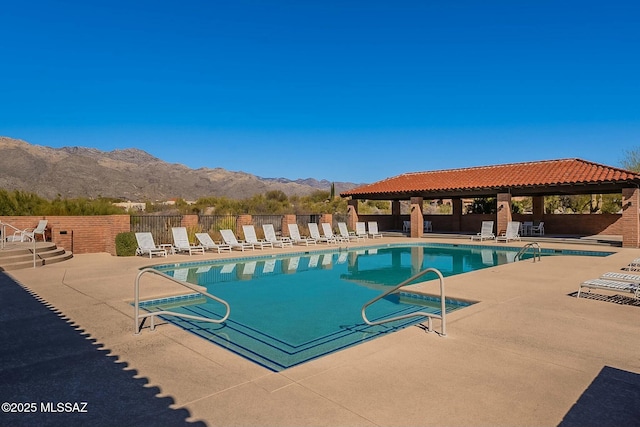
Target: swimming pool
x: 286, y: 310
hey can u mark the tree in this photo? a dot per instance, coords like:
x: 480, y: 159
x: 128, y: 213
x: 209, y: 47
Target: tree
x: 631, y: 160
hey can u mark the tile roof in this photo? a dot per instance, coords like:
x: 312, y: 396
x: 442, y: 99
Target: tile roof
x: 548, y: 173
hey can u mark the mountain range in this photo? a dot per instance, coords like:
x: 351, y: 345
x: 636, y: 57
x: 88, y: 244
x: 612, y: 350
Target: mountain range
x: 131, y: 174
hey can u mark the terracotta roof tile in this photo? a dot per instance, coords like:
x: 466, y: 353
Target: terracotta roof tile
x: 530, y: 174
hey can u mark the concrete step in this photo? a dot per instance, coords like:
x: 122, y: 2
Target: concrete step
x: 15, y: 256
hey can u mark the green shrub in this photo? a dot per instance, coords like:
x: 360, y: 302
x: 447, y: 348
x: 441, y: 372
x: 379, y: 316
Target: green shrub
x: 126, y: 244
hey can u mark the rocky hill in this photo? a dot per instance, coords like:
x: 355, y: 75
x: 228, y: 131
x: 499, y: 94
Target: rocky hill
x: 130, y: 174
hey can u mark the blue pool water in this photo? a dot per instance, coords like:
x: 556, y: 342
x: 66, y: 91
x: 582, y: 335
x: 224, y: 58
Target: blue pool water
x: 286, y: 310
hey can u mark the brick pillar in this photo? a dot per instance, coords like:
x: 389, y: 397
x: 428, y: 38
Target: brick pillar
x: 504, y: 212
x: 242, y: 220
x: 352, y: 214
x: 189, y: 221
x: 328, y: 218
x: 456, y: 219
x: 286, y: 220
x: 417, y: 219
x: 630, y: 218
x: 395, y: 213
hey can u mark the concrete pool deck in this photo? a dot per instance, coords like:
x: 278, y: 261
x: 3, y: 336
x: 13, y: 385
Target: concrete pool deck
x: 524, y: 355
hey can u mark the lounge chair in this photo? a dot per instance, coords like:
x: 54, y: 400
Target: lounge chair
x: 633, y: 265
x: 250, y: 237
x: 344, y: 233
x: 294, y: 233
x: 614, y: 281
x: 270, y: 236
x: 315, y: 234
x: 511, y: 233
x: 538, y: 230
x: 146, y: 245
x: 361, y: 230
x: 30, y: 233
x: 486, y: 231
x: 328, y: 233
x: 230, y: 239
x: 181, y: 242
x: 208, y: 244
x: 373, y: 230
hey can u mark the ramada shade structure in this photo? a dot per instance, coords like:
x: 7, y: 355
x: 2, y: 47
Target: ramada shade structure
x: 549, y: 177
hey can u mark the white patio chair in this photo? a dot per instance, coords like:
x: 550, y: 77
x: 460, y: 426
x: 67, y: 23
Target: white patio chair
x: 361, y: 230
x: 230, y: 239
x: 209, y: 244
x: 250, y: 237
x: 30, y: 233
x: 373, y: 230
x: 294, y: 233
x: 181, y: 242
x: 486, y: 231
x: 511, y: 233
x: 146, y: 245
x: 270, y: 236
x: 538, y: 230
x: 344, y: 233
x: 315, y: 234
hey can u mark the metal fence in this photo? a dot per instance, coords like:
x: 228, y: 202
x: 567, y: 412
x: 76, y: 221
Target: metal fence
x: 158, y: 225
x: 275, y: 220
x: 211, y: 223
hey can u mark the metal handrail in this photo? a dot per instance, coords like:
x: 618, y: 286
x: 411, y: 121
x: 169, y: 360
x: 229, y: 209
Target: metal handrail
x: 138, y: 316
x: 534, y: 246
x: 429, y: 316
x: 4, y: 232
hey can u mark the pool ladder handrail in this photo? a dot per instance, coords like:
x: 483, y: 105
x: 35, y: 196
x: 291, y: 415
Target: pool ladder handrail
x: 429, y: 316
x: 534, y: 246
x: 138, y: 316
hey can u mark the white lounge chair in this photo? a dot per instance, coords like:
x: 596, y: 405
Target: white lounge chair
x: 230, y: 239
x: 270, y: 236
x: 315, y: 234
x: 361, y: 230
x: 614, y: 281
x: 373, y: 230
x: 296, y: 238
x: 181, y: 242
x: 486, y: 231
x: 511, y: 233
x: 209, y: 244
x: 250, y: 237
x: 344, y: 233
x: 328, y: 233
x: 30, y: 233
x: 146, y: 245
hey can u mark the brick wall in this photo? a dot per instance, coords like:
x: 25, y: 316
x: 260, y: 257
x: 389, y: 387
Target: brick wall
x: 79, y: 234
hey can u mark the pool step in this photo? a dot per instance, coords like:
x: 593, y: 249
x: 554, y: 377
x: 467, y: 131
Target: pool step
x: 19, y: 255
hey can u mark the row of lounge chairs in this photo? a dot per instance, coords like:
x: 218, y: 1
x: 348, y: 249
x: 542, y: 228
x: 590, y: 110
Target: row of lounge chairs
x: 625, y: 281
x: 147, y: 246
x: 513, y: 231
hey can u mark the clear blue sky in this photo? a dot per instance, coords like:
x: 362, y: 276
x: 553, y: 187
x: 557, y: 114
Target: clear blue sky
x: 340, y: 90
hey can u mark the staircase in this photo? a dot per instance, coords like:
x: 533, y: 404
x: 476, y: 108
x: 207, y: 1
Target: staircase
x: 17, y: 255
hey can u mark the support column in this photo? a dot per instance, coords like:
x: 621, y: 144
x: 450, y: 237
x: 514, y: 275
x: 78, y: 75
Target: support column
x: 417, y: 219
x: 328, y: 218
x: 456, y: 220
x: 504, y: 212
x: 538, y: 208
x: 395, y: 213
x: 630, y: 218
x: 352, y: 214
